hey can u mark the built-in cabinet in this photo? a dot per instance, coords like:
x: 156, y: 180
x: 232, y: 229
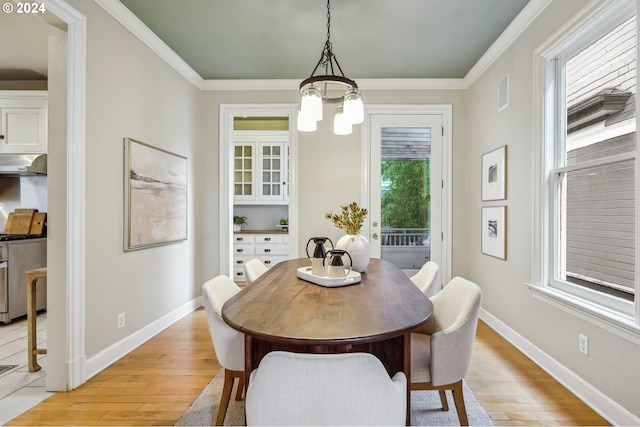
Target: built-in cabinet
x: 261, y: 167
x: 268, y: 248
x: 23, y: 122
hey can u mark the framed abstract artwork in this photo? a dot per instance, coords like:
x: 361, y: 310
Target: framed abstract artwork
x: 494, y: 174
x: 494, y: 231
x: 155, y: 202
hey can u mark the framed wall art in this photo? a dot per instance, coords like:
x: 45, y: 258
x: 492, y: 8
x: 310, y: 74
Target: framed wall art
x: 494, y: 231
x: 155, y: 202
x: 494, y: 174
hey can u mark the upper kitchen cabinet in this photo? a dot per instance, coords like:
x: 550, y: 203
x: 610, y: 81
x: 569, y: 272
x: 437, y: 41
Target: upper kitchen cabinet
x: 23, y: 121
x: 261, y: 167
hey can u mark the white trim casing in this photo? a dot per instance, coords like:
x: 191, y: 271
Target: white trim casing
x: 446, y: 111
x: 75, y: 180
x: 225, y: 173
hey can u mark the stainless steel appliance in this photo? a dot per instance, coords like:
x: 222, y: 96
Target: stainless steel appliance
x: 19, y: 253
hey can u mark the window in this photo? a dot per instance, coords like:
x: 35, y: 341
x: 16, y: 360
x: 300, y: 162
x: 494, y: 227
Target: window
x: 588, y: 203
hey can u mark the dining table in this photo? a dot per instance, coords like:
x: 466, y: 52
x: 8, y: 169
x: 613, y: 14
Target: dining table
x: 282, y: 312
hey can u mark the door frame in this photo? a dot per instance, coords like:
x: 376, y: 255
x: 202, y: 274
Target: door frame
x: 445, y: 111
x: 227, y: 114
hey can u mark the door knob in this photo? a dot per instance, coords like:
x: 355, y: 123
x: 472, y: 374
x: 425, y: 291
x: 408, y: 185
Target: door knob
x: 375, y: 224
x: 375, y: 236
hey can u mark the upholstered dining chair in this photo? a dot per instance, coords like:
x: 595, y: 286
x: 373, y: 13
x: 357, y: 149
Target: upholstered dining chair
x: 441, y: 355
x: 325, y: 389
x: 428, y: 279
x: 228, y: 343
x: 253, y: 269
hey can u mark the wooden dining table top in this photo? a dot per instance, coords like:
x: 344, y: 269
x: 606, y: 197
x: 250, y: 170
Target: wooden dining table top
x: 280, y: 307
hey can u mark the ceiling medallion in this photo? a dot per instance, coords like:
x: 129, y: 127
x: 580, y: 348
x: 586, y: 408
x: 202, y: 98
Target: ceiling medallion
x: 317, y: 89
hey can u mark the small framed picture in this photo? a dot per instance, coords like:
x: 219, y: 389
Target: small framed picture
x: 494, y: 175
x: 494, y: 231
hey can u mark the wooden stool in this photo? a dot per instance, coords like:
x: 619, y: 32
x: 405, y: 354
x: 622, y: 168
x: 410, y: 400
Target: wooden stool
x: 32, y: 312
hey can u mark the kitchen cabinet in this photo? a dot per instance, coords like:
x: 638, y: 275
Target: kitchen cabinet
x: 270, y: 248
x: 23, y: 122
x: 261, y: 167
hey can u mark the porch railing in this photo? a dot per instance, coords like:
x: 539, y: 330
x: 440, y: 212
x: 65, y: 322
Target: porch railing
x: 406, y: 236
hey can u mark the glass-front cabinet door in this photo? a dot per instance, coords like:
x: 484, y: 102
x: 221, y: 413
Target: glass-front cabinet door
x: 261, y: 172
x: 243, y: 176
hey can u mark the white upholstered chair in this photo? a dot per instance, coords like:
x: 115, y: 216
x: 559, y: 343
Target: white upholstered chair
x: 325, y: 389
x: 428, y: 279
x: 253, y: 269
x: 228, y: 343
x: 440, y: 357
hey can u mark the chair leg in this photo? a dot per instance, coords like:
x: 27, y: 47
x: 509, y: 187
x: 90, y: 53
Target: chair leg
x: 226, y: 394
x: 240, y: 388
x: 443, y: 400
x: 458, y: 398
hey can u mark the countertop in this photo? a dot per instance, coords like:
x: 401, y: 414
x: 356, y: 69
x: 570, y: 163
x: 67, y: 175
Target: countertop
x: 261, y: 232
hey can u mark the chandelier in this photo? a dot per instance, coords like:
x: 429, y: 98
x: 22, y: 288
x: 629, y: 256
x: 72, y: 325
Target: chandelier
x: 321, y: 88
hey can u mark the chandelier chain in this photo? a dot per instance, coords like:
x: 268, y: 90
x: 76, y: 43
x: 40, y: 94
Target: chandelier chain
x: 328, y: 20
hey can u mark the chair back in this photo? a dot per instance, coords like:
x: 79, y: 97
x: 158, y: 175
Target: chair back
x: 452, y: 327
x: 228, y: 342
x: 428, y: 279
x: 253, y: 269
x: 325, y: 389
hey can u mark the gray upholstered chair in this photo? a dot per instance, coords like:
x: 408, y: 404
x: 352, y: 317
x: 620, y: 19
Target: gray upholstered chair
x: 441, y: 355
x: 325, y: 389
x: 428, y: 279
x: 227, y: 342
x: 253, y: 269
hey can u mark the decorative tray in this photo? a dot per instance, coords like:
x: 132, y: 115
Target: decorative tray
x: 330, y: 282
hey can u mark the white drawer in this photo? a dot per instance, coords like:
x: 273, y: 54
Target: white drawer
x: 246, y: 239
x: 268, y: 238
x: 238, y: 261
x: 271, y: 249
x: 243, y: 250
x: 238, y: 274
x: 270, y: 261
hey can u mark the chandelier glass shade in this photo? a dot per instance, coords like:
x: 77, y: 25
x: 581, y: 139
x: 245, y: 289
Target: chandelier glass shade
x: 320, y: 89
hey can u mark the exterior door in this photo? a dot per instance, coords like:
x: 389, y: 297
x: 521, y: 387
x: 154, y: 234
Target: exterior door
x: 406, y: 189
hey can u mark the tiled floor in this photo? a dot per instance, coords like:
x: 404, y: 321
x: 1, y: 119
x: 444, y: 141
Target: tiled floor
x: 20, y: 389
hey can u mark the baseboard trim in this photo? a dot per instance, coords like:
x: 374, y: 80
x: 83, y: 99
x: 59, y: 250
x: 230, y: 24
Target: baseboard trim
x: 108, y: 356
x: 610, y: 410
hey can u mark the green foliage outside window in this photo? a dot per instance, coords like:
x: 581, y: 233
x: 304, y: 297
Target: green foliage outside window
x: 406, y: 194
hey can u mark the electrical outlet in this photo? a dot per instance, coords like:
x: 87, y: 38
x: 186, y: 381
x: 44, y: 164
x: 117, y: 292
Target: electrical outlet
x: 583, y: 344
x: 121, y: 321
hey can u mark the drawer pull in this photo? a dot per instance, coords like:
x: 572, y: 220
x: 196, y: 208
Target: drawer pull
x: 239, y: 239
x: 239, y: 250
x: 239, y: 273
x: 267, y: 250
x: 267, y: 262
x: 239, y: 261
x: 267, y: 239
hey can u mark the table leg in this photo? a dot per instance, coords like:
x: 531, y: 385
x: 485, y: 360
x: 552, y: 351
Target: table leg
x: 248, y: 360
x: 407, y: 371
x: 32, y: 341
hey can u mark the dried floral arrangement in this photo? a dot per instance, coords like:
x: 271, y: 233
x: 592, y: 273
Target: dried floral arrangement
x: 350, y: 219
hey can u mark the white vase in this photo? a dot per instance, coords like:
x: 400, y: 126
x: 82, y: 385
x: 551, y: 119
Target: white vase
x: 358, y: 247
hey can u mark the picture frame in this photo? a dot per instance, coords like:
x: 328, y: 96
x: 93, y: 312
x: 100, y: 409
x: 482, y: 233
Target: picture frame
x: 155, y: 196
x: 494, y: 231
x: 494, y: 174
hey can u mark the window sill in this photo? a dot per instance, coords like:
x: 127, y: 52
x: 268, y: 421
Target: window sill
x: 617, y: 324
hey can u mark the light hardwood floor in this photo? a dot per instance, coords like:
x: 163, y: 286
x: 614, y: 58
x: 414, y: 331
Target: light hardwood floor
x: 157, y: 382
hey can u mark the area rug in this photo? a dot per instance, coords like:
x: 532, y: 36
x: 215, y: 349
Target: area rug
x: 425, y: 408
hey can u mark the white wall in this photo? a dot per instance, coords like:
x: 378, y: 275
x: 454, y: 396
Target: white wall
x: 329, y: 169
x: 612, y: 364
x: 131, y: 92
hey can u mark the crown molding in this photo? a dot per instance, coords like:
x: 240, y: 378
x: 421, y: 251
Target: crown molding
x: 508, y: 36
x: 363, y: 84
x: 131, y: 22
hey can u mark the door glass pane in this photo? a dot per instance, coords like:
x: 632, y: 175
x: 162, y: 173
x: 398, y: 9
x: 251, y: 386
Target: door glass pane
x: 405, y: 196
